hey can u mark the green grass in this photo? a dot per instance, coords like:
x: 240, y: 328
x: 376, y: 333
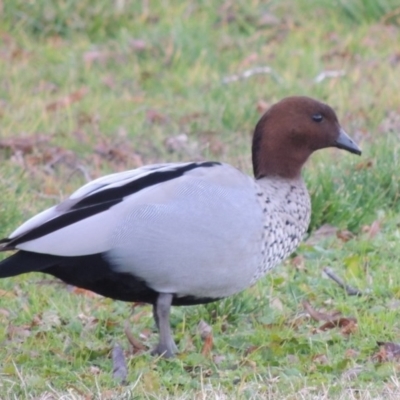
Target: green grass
x: 147, y: 72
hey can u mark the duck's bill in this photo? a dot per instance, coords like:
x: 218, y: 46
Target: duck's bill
x: 346, y: 143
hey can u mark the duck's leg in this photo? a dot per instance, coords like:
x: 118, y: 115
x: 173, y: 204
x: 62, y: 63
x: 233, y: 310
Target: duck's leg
x: 161, y: 310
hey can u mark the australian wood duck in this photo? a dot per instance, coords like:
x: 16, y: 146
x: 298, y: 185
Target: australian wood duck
x: 184, y: 233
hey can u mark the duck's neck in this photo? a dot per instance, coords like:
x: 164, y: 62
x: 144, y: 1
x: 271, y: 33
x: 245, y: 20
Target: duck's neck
x: 276, y: 181
x: 283, y: 195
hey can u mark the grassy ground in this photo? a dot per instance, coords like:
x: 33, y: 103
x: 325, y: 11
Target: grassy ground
x: 87, y: 88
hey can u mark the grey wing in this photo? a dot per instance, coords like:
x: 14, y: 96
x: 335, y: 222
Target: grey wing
x: 81, y: 224
x: 95, y: 186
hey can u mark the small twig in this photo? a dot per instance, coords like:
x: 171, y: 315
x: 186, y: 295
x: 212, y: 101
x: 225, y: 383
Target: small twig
x: 120, y: 370
x: 136, y: 344
x: 82, y: 170
x: 389, y: 15
x: 317, y: 315
x: 21, y: 378
x: 349, y: 290
x: 329, y: 74
x: 248, y: 73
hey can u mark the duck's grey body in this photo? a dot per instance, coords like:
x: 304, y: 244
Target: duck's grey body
x: 206, y: 233
x: 210, y: 230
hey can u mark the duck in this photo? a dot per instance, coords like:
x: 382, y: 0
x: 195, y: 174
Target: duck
x: 180, y: 234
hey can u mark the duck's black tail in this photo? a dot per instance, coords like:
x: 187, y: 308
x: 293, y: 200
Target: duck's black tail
x: 25, y: 261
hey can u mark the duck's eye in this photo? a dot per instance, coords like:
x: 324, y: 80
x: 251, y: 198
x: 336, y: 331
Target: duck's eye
x: 317, y: 117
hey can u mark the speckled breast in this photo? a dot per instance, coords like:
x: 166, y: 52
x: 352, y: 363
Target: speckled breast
x: 286, y: 207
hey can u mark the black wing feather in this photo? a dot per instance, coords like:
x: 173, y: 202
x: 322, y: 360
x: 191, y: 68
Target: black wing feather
x: 101, y: 201
x: 118, y: 193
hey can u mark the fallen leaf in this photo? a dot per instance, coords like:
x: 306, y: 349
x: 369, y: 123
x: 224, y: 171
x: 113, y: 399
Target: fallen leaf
x: 347, y: 325
x: 321, y: 359
x: 94, y: 370
x: 207, y: 347
x: 82, y: 292
x: 46, y: 321
x: 4, y: 312
x: 156, y: 117
x: 322, y: 233
x: 68, y: 100
x: 23, y: 144
x: 50, y: 156
x: 344, y: 235
x: 298, y: 321
x: 119, y: 153
x: 250, y: 350
x: 250, y: 363
x: 88, y: 321
x: 372, y: 230
x: 299, y: 263
x: 205, y: 332
x: 381, y: 355
x: 204, y: 329
x: 351, y: 353
x: 145, y: 334
x: 211, y: 143
x: 36, y: 320
x: 364, y: 165
x: 218, y: 359
x: 268, y: 19
x: 176, y: 143
x: 19, y: 333
x: 108, y: 394
x: 388, y: 351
